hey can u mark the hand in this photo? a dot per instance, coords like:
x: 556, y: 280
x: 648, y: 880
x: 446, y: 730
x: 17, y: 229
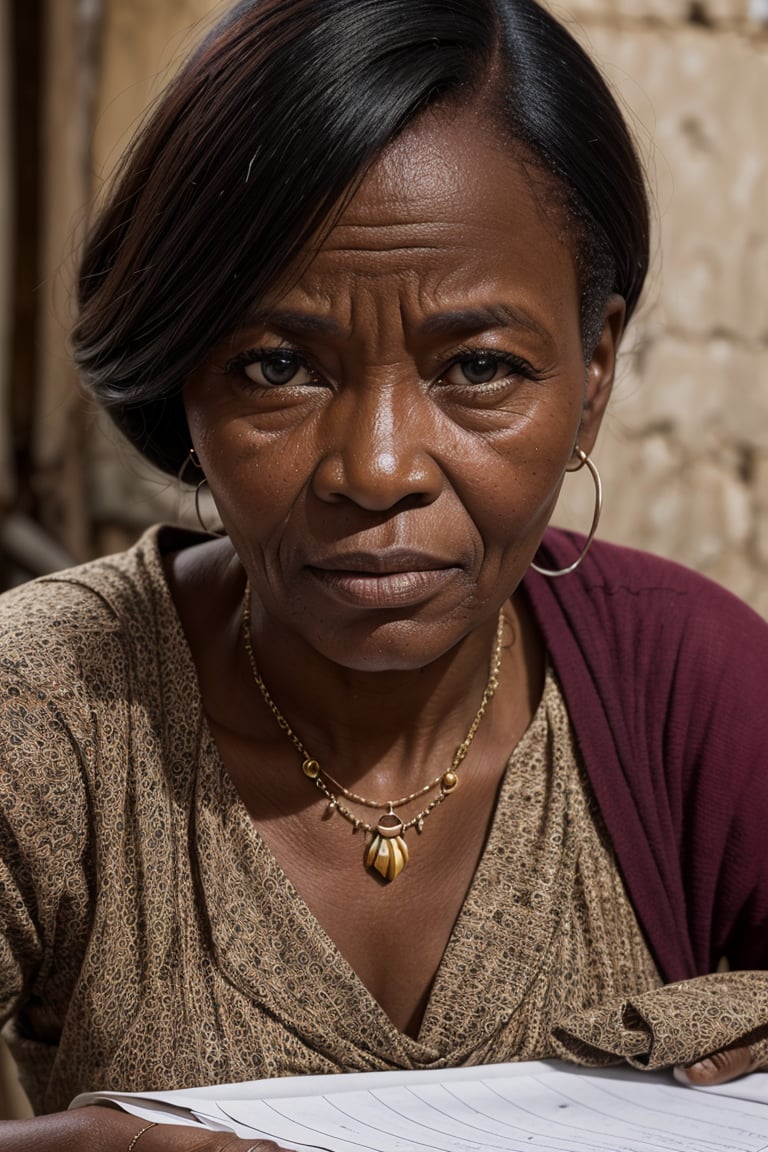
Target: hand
x: 100, y: 1129
x: 718, y: 1068
x: 170, y: 1138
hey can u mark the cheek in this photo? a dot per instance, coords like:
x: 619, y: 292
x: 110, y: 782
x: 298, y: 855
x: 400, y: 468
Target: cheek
x: 512, y: 498
x: 511, y: 476
x: 256, y: 479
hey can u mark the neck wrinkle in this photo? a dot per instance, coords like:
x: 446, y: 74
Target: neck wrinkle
x: 394, y: 730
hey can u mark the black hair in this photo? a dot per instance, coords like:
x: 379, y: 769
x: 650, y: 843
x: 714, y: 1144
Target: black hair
x: 273, y: 119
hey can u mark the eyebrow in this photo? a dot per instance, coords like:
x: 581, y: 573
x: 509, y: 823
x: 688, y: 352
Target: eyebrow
x: 475, y: 319
x: 458, y: 320
x: 294, y: 321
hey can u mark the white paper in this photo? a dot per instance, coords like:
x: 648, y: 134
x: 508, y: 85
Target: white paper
x: 497, y: 1108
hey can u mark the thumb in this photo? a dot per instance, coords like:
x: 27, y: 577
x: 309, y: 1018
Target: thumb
x: 717, y: 1068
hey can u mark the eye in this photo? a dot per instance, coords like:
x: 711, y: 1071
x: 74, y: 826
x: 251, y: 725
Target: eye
x: 478, y: 367
x: 270, y: 368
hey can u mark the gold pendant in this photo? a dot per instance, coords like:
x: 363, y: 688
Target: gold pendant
x: 388, y: 852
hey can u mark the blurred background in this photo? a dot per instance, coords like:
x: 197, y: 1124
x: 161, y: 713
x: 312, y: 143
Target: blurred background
x: 684, y: 453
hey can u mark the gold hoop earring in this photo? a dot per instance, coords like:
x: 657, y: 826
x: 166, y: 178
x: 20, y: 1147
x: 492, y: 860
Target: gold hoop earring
x: 211, y: 531
x: 554, y: 573
x: 192, y: 459
x: 189, y: 459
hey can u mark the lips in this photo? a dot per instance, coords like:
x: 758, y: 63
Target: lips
x: 390, y: 578
x: 384, y: 562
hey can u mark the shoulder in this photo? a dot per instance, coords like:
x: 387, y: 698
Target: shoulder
x: 68, y: 645
x: 57, y: 616
x: 649, y: 651
x: 78, y: 651
x: 630, y: 598
x: 615, y: 568
x: 660, y: 667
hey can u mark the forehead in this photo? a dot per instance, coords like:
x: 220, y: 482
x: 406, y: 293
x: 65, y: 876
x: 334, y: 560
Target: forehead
x: 447, y: 159
x: 450, y: 204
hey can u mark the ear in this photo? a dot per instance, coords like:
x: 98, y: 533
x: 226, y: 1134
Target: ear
x: 600, y: 373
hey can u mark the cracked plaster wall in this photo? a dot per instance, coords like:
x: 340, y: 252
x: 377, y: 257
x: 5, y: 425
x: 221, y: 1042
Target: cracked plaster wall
x: 684, y: 450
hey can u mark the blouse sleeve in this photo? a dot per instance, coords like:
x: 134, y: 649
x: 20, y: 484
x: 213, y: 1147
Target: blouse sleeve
x: 676, y: 1024
x: 44, y: 874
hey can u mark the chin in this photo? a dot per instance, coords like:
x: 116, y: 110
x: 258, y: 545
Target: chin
x: 395, y: 645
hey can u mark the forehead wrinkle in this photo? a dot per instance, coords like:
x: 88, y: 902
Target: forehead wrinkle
x: 372, y: 245
x: 366, y: 236
x: 371, y: 319
x: 373, y: 250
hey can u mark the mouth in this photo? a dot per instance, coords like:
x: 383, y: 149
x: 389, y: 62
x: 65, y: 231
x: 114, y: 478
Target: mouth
x: 393, y: 578
x: 389, y: 561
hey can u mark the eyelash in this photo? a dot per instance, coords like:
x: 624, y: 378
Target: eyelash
x: 464, y: 354
x: 239, y: 363
x: 517, y: 366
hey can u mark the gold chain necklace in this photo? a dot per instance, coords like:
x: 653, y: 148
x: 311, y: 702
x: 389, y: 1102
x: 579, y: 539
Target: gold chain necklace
x: 387, y: 852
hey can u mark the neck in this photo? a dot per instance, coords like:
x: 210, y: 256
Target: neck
x: 387, y: 727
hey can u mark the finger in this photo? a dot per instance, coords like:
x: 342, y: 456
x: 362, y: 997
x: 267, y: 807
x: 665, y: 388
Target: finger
x: 717, y: 1068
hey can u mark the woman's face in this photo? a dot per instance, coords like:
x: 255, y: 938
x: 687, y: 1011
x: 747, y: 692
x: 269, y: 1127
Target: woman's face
x: 386, y: 441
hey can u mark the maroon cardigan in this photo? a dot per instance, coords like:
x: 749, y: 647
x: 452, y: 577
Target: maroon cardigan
x: 665, y: 676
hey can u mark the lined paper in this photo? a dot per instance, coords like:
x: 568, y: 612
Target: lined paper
x: 500, y: 1108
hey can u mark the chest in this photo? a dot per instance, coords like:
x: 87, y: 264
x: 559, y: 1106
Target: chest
x: 222, y: 973
x: 393, y: 934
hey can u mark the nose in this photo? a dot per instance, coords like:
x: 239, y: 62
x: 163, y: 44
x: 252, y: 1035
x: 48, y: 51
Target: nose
x: 378, y: 453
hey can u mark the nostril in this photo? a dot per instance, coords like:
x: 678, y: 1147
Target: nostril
x: 414, y: 500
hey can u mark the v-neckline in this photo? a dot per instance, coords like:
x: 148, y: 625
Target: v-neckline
x: 232, y: 858
x: 327, y: 986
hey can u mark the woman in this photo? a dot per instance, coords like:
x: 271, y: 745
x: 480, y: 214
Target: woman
x: 385, y: 777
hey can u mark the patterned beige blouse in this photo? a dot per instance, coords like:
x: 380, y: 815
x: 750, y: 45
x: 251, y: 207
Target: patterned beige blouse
x: 150, y: 939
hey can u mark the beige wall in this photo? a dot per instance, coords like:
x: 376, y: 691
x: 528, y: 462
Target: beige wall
x: 106, y: 62
x: 685, y: 448
x: 684, y: 452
